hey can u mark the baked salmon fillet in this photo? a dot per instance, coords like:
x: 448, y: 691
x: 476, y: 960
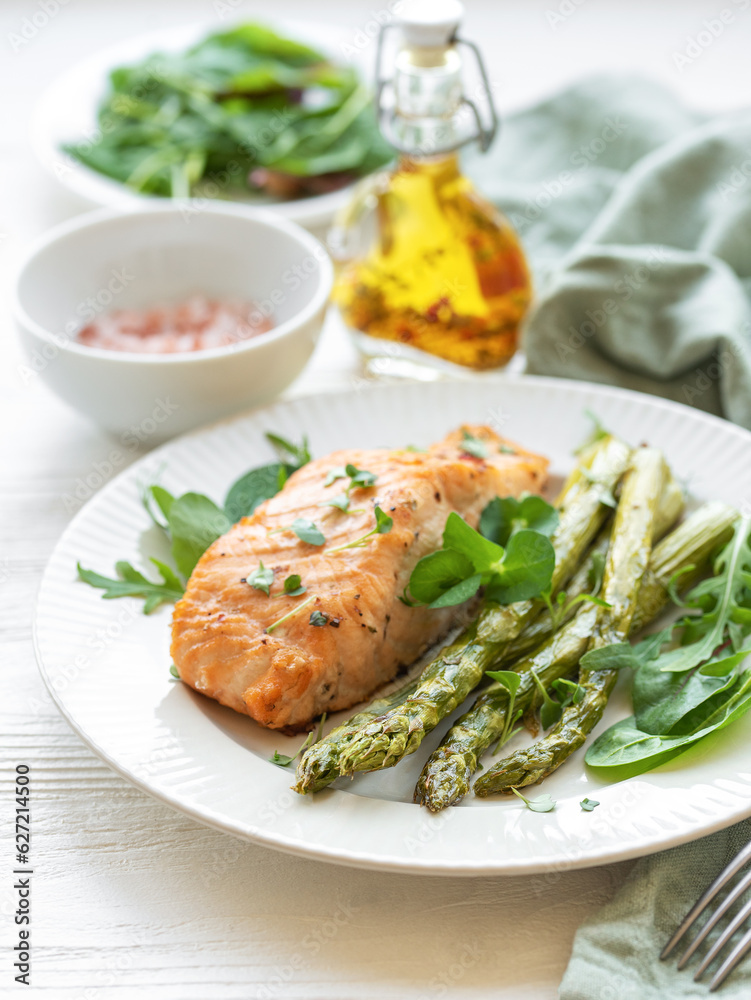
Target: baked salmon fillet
x: 353, y: 633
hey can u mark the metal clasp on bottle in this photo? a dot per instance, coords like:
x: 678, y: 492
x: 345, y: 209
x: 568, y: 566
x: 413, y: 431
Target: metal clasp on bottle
x: 486, y: 125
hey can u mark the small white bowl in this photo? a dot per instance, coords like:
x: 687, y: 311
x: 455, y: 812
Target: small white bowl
x: 114, y: 259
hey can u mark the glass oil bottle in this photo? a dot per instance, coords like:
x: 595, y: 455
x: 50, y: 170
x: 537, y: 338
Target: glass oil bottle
x: 428, y: 270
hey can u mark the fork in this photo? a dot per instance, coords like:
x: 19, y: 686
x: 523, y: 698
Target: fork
x: 743, y: 946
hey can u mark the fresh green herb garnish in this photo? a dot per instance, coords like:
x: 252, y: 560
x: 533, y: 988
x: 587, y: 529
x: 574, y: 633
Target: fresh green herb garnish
x: 297, y: 608
x: 597, y: 434
x: 550, y: 710
x: 260, y: 484
x: 173, y: 671
x: 340, y: 501
x: 503, y: 517
x: 474, y: 446
x: 697, y: 687
x: 261, y: 579
x: 131, y: 583
x: 588, y: 805
x: 468, y: 561
x: 384, y: 524
x: 318, y: 618
x: 617, y: 656
x: 293, y: 586
x: 542, y: 804
x: 511, y: 681
x: 281, y: 760
x: 306, y: 531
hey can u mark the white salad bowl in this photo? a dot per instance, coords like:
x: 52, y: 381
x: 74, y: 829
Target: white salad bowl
x: 114, y: 259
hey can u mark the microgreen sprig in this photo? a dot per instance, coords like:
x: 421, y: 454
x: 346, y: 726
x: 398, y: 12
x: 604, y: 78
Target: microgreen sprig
x: 384, y: 524
x: 511, y: 681
x: 542, y: 804
x: 282, y: 760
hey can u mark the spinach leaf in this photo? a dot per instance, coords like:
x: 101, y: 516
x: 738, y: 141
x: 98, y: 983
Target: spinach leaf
x: 194, y: 523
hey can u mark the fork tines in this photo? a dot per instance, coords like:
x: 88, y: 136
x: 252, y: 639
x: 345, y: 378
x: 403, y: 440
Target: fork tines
x: 734, y: 894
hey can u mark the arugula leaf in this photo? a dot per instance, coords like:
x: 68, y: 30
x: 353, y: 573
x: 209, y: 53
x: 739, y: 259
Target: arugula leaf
x: 723, y: 593
x: 542, y: 804
x: 261, y: 578
x: 504, y: 516
x: 194, y: 523
x: 131, y: 583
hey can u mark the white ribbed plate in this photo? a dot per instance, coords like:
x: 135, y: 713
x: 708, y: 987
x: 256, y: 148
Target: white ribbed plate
x: 106, y: 664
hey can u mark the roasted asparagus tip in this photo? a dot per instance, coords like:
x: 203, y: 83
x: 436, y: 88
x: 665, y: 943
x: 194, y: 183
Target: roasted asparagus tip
x: 444, y: 780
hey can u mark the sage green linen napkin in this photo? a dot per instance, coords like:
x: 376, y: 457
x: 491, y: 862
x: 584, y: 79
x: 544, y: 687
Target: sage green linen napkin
x: 636, y: 214
x: 616, y: 952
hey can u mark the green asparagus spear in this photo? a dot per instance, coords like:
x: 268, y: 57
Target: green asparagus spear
x: 446, y: 776
x: 628, y: 558
x: 320, y: 764
x: 447, y: 681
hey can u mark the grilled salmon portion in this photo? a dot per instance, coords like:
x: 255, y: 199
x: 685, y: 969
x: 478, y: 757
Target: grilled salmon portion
x: 351, y: 633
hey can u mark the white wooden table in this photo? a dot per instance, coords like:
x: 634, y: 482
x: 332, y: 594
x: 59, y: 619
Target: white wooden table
x: 129, y: 897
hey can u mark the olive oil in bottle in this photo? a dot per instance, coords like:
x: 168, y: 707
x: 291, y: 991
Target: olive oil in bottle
x: 425, y: 262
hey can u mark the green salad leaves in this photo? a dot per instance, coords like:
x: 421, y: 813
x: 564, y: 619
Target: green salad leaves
x: 693, y: 678
x: 242, y: 110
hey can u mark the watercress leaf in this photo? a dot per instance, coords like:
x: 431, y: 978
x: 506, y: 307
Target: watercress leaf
x: 384, y: 523
x: 293, y: 586
x: 297, y: 454
x: 474, y: 446
x: 307, y: 531
x: 587, y: 805
x: 194, y: 523
x: 261, y: 578
x: 460, y: 537
x: 458, y: 594
x: 507, y: 678
x: 570, y: 692
x: 132, y: 583
x: 526, y: 570
x: 437, y: 573
x: 617, y: 656
x: 338, y: 472
x: 505, y: 515
x: 253, y: 488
